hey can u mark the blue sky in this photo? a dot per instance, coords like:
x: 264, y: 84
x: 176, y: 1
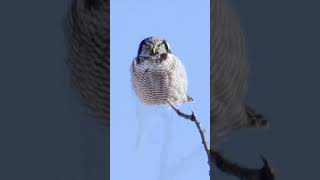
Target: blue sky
x: 170, y: 147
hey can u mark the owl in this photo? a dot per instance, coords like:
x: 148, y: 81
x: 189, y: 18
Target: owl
x: 229, y: 75
x: 87, y: 35
x: 157, y: 75
x: 228, y: 88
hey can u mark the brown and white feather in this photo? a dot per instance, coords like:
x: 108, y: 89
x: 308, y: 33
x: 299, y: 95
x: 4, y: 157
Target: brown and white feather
x: 160, y: 80
x: 87, y: 33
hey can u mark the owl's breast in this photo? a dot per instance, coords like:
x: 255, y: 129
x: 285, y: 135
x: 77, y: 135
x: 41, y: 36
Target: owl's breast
x: 156, y: 83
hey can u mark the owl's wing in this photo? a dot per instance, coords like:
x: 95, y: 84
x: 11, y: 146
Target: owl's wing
x: 134, y: 76
x: 180, y: 77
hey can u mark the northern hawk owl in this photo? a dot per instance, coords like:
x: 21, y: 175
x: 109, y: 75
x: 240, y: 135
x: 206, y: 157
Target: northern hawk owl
x: 157, y: 75
x: 228, y: 88
x: 87, y: 32
x: 229, y: 74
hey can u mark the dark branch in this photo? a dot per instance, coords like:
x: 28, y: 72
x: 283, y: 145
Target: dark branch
x: 231, y: 168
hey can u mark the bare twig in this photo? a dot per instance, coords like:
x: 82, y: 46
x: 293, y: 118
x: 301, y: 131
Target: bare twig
x: 265, y: 173
x: 194, y: 119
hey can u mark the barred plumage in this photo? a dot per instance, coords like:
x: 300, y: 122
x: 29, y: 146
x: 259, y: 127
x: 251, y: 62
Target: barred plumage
x: 160, y: 77
x: 87, y: 32
x: 229, y: 74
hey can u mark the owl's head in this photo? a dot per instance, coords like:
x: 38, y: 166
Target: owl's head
x: 153, y: 46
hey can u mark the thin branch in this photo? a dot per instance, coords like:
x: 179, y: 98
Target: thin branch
x: 201, y: 130
x: 265, y: 173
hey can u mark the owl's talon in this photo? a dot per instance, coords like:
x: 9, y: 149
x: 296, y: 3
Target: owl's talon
x: 189, y: 98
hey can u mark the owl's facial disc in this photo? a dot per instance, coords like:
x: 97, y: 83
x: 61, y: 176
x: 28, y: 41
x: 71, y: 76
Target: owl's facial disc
x: 153, y: 47
x: 150, y: 49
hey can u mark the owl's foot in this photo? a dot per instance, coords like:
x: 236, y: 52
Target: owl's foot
x: 189, y: 98
x: 256, y: 119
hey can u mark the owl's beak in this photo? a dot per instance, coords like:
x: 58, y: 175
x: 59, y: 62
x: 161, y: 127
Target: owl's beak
x: 153, y: 50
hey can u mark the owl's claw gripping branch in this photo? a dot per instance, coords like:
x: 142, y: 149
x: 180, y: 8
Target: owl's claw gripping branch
x: 194, y: 119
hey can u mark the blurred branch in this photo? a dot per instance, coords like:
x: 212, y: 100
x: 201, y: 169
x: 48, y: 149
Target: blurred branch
x: 243, y: 173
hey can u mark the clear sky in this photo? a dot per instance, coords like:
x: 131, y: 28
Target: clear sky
x: 171, y: 146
